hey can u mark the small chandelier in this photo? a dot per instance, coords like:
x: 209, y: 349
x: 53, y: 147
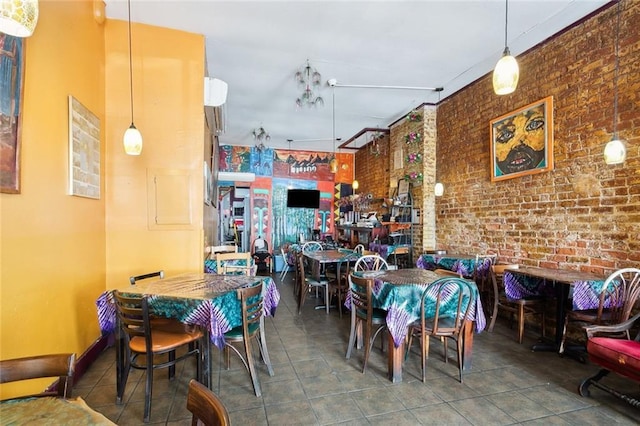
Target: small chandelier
x: 132, y: 137
x: 308, y: 79
x: 18, y: 18
x: 375, y: 148
x: 261, y: 135
x: 506, y: 72
x: 615, y: 152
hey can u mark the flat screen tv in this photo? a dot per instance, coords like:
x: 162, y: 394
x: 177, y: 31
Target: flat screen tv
x: 303, y: 198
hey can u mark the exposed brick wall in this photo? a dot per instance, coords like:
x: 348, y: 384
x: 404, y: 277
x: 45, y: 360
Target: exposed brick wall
x: 583, y: 214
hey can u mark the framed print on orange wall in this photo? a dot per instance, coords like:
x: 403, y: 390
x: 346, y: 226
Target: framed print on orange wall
x: 522, y: 141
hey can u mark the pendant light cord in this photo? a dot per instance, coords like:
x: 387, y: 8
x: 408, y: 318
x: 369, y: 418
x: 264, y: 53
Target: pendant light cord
x: 130, y: 63
x: 615, y: 73
x: 506, y: 21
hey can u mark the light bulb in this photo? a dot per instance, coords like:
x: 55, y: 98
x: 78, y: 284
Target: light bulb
x: 615, y: 152
x: 506, y: 74
x: 132, y: 141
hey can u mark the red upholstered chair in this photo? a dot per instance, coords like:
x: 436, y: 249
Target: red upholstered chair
x: 620, y: 355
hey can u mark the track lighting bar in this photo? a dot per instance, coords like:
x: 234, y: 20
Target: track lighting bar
x: 334, y: 83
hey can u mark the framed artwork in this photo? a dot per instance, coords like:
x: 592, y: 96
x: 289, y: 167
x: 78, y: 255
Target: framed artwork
x: 84, y: 151
x: 11, y: 91
x: 522, y: 141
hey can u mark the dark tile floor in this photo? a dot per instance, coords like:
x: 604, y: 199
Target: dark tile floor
x: 315, y: 384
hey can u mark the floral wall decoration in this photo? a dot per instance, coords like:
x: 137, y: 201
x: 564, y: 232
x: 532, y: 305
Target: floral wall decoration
x: 414, y: 116
x: 414, y: 158
x: 413, y: 137
x: 414, y: 177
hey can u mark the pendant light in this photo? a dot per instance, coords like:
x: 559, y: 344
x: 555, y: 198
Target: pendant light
x: 506, y: 72
x: 355, y: 184
x: 615, y: 151
x: 438, y: 190
x: 18, y: 18
x: 333, y: 164
x: 132, y: 137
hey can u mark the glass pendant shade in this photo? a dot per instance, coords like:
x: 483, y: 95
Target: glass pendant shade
x: 438, y: 189
x: 333, y: 165
x: 615, y: 152
x: 132, y: 141
x: 355, y: 184
x: 506, y: 74
x: 18, y: 18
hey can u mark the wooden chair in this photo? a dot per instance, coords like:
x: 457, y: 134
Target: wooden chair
x: 521, y: 308
x: 622, y: 356
x: 306, y: 283
x: 140, y: 339
x: 359, y: 249
x: 42, y: 366
x: 252, y: 302
x: 444, y: 291
x: 364, y: 316
x: 135, y: 278
x: 205, y: 406
x: 370, y: 262
x: 482, y: 276
x: 619, y: 295
x: 224, y: 266
x: 229, y: 248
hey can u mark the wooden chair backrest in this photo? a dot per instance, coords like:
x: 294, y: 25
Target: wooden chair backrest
x: 361, y: 294
x: 206, y: 406
x: 252, y: 301
x: 223, y: 268
x: 159, y: 274
x: 42, y: 366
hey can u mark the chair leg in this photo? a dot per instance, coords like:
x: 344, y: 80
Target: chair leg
x: 252, y: 368
x: 564, y: 335
x: 327, y: 302
x: 367, y: 347
x: 459, y: 345
x: 520, y: 323
x: 494, y: 314
x: 352, y: 333
x: 172, y: 368
x: 148, y: 390
x: 425, y: 354
x: 263, y: 348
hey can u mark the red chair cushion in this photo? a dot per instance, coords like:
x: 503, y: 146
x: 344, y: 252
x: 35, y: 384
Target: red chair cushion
x: 618, y: 355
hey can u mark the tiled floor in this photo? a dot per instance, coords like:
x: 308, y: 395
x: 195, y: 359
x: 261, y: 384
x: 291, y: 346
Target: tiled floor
x: 315, y: 384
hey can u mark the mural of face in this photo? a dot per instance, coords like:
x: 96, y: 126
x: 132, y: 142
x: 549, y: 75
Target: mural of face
x: 519, y: 141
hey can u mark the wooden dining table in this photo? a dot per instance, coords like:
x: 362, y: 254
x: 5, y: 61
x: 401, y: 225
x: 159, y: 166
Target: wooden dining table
x: 50, y: 410
x: 540, y: 279
x: 206, y: 300
x: 399, y: 292
x: 463, y: 264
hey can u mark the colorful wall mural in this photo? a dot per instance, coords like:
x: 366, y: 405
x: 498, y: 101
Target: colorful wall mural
x: 277, y: 170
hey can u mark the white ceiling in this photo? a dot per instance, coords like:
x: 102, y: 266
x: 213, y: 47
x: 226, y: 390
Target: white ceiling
x: 257, y: 47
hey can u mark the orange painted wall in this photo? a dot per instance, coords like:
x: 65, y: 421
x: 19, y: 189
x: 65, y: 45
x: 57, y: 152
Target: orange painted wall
x: 59, y: 252
x: 52, y: 245
x: 168, y: 88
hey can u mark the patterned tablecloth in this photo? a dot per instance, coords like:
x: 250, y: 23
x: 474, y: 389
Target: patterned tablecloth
x: 50, y: 411
x: 460, y: 263
x: 385, y: 250
x: 207, y: 300
x: 585, y: 294
x: 399, y: 292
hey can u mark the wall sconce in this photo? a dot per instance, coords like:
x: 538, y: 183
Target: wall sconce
x: 615, y: 151
x: 506, y: 72
x: 18, y: 18
x: 438, y: 190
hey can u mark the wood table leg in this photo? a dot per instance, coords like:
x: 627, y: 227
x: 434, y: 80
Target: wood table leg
x: 467, y: 348
x: 395, y: 359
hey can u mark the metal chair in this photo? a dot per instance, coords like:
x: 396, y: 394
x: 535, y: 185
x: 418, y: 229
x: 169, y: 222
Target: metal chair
x: 252, y: 302
x: 42, y: 366
x: 207, y: 408
x: 137, y: 338
x: 370, y: 262
x: 618, y: 296
x: 312, y: 246
x: 364, y: 316
x: 305, y: 283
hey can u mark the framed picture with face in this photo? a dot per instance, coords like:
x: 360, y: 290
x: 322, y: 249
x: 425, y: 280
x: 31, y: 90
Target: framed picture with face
x: 522, y: 141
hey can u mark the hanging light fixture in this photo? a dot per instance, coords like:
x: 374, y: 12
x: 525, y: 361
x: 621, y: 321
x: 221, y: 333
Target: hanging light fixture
x: 18, y: 18
x: 308, y: 78
x: 438, y: 190
x: 355, y: 184
x: 333, y: 164
x: 506, y: 72
x: 615, y: 151
x: 132, y: 137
